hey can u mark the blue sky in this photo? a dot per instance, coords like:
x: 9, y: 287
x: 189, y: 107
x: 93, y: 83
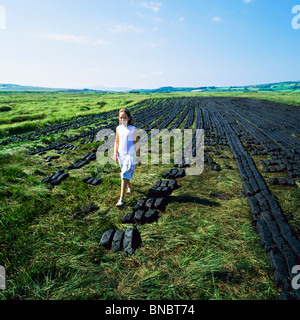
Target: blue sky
x: 148, y: 44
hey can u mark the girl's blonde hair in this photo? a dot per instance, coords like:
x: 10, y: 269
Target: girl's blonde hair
x: 130, y: 121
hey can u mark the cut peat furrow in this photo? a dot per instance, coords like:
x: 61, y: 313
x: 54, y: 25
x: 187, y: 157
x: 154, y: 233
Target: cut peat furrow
x: 276, y: 236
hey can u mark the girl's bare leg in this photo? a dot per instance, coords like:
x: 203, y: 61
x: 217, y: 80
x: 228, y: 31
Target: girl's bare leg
x: 124, y: 184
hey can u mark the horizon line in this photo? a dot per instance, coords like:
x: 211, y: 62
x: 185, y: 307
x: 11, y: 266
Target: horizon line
x: 132, y: 89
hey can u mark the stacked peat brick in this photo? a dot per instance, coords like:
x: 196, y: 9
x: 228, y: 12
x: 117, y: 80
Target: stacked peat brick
x: 146, y: 210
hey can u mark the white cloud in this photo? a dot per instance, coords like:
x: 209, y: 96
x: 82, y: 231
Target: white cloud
x: 124, y: 27
x: 181, y: 19
x: 154, y: 6
x: 247, y: 1
x: 217, y: 19
x: 149, y: 44
x: 150, y: 75
x: 158, y: 20
x: 157, y: 73
x: 141, y: 15
x: 64, y: 37
x: 100, y: 42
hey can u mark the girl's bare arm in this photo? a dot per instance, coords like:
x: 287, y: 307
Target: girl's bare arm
x: 136, y: 143
x: 116, y: 143
x: 116, y: 147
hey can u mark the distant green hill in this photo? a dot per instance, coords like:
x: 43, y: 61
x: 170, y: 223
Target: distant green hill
x: 290, y: 86
x: 16, y: 87
x: 280, y: 86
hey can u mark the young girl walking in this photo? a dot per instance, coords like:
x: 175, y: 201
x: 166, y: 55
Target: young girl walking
x: 126, y: 145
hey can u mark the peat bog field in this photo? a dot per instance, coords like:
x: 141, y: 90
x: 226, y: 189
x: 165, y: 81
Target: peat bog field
x: 232, y: 232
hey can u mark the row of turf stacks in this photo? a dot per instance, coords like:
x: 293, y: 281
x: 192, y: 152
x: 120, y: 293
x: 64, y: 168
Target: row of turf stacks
x: 118, y: 240
x: 276, y: 236
x: 57, y: 177
x: 146, y: 210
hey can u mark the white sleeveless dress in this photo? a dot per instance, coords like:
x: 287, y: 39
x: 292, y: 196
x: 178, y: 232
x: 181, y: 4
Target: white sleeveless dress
x: 126, y: 151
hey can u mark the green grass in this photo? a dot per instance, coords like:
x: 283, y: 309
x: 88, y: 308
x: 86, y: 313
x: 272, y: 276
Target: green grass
x: 202, y: 247
x: 31, y: 111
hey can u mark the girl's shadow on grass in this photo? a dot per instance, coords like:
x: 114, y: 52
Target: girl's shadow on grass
x: 191, y: 199
x: 187, y: 199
